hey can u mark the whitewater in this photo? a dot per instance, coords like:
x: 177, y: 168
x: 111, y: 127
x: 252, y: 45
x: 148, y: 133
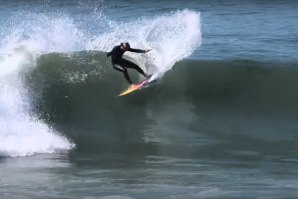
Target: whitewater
x: 28, y: 35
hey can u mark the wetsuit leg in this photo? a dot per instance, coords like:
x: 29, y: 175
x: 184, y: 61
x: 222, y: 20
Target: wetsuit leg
x: 124, y: 71
x: 128, y: 64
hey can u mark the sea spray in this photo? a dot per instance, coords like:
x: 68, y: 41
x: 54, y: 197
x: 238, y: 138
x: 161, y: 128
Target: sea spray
x: 171, y: 37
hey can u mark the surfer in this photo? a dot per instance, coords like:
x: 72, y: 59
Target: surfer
x: 121, y: 64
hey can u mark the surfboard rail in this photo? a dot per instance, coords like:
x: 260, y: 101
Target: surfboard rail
x: 133, y: 88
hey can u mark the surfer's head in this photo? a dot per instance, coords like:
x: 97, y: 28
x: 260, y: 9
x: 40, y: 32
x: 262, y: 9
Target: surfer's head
x: 125, y: 45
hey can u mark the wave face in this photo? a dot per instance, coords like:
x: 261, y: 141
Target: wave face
x: 253, y: 99
x: 268, y: 84
x: 27, y: 35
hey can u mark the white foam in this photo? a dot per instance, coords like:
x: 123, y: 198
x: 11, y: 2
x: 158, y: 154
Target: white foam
x: 21, y: 133
x: 24, y: 137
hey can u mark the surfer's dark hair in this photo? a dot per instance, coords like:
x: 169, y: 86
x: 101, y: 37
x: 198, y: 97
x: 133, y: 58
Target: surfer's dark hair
x: 125, y: 44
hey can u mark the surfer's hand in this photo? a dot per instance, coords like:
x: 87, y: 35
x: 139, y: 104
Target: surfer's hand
x: 147, y: 50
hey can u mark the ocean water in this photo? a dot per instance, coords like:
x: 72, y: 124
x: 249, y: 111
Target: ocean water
x: 219, y: 121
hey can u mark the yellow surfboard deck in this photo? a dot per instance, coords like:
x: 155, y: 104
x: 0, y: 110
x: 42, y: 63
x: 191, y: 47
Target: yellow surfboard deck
x: 133, y: 88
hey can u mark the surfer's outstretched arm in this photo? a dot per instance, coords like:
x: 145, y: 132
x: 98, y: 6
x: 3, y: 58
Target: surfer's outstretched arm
x: 109, y: 54
x: 138, y: 50
x: 112, y: 51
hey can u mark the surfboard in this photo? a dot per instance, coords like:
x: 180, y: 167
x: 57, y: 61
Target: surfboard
x: 133, y: 88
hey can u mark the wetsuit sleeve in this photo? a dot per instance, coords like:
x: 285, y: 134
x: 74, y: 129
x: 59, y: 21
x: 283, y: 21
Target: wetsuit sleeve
x: 112, y: 51
x: 109, y: 53
x: 136, y: 50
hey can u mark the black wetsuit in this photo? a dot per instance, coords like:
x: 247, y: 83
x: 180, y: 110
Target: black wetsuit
x: 121, y: 64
